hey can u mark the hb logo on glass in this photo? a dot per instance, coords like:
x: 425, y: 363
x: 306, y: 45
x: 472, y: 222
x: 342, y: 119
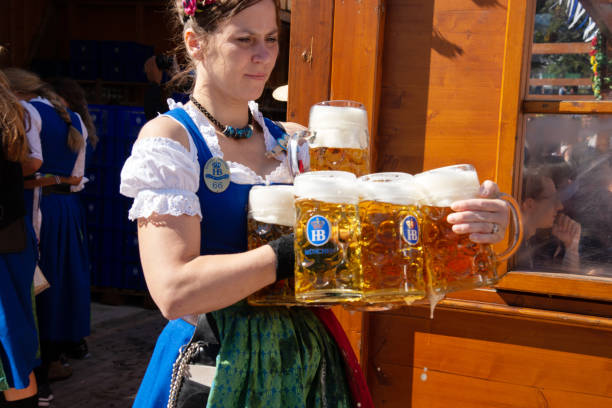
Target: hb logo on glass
x: 318, y: 230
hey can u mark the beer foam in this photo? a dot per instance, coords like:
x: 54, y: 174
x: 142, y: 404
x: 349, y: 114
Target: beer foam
x: 329, y: 186
x: 393, y: 188
x: 445, y: 185
x: 272, y: 204
x: 339, y: 126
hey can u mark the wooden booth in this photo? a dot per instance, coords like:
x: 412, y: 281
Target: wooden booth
x: 462, y: 81
x: 505, y: 85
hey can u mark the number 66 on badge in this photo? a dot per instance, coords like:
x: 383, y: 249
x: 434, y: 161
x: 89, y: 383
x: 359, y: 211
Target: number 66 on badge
x: 328, y: 254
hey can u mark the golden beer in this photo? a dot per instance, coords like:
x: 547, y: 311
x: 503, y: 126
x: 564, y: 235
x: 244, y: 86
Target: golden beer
x: 327, y: 250
x: 355, y: 161
x: 391, y: 246
x: 339, y: 137
x: 271, y: 215
x: 452, y: 261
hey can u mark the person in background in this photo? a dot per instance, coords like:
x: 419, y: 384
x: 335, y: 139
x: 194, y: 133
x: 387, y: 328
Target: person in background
x: 160, y: 70
x: 63, y: 309
x: 551, y: 238
x: 73, y: 97
x: 192, y: 235
x: 18, y: 333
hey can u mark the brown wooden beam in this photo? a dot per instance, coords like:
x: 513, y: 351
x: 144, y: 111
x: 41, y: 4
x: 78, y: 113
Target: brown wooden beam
x: 567, y: 107
x: 561, y: 48
x: 560, y: 81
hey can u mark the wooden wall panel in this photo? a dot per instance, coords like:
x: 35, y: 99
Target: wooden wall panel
x: 309, y: 57
x: 19, y: 24
x: 442, y: 65
x: 476, y: 360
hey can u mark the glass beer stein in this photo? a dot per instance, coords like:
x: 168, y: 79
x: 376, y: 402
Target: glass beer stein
x: 338, y: 138
x: 327, y: 251
x: 391, y: 245
x: 271, y: 215
x: 452, y: 261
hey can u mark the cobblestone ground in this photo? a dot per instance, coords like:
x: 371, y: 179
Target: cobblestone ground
x: 121, y: 342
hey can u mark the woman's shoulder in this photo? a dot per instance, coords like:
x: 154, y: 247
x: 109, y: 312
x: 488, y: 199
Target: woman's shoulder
x: 165, y: 127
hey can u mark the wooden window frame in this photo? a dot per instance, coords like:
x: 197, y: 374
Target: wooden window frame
x: 515, y: 103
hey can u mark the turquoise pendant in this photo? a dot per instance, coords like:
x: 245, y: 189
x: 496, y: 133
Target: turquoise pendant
x: 242, y: 133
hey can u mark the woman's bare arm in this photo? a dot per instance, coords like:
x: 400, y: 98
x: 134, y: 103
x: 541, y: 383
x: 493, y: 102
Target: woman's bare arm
x: 181, y: 281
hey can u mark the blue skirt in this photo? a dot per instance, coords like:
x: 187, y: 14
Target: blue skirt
x: 155, y: 386
x: 63, y: 309
x: 18, y: 335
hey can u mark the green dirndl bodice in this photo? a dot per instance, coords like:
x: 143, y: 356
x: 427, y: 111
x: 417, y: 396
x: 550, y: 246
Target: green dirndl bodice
x: 276, y: 357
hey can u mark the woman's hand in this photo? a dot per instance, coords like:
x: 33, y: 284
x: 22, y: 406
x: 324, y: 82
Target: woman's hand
x: 485, y: 219
x: 568, y: 231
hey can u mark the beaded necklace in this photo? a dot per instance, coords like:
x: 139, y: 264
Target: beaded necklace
x: 229, y: 131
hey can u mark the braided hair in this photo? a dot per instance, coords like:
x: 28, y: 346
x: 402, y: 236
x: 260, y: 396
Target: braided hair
x: 25, y: 82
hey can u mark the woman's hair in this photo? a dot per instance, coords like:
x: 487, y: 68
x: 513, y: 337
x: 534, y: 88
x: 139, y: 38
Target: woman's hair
x: 24, y: 82
x: 203, y: 24
x: 74, y: 95
x: 12, y: 127
x: 533, y: 182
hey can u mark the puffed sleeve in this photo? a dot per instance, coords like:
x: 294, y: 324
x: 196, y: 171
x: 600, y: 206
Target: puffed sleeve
x: 162, y: 177
x: 33, y: 127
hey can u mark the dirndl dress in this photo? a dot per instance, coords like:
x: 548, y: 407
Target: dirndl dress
x: 269, y: 357
x: 63, y: 309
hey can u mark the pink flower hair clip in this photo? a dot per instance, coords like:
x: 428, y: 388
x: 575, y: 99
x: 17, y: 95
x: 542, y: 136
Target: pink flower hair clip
x: 190, y: 7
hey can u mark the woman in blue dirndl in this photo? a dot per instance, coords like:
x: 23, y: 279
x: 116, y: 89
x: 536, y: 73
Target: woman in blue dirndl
x: 190, y: 173
x: 63, y: 309
x: 18, y: 333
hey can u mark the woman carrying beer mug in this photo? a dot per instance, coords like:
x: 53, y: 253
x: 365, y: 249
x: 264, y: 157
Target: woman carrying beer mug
x: 190, y: 173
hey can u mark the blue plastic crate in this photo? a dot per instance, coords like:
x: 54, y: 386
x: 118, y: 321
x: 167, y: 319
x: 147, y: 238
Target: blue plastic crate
x: 103, y: 117
x: 133, y: 276
x: 129, y: 121
x: 92, y: 205
x: 137, y: 55
x: 83, y: 69
x: 112, y: 50
x: 84, y: 50
x: 112, y: 71
x: 130, y: 245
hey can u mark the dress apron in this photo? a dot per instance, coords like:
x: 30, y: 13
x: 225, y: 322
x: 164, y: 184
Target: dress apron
x: 64, y: 308
x: 261, y: 348
x: 18, y: 334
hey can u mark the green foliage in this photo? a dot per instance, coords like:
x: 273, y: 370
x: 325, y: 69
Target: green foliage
x: 551, y: 26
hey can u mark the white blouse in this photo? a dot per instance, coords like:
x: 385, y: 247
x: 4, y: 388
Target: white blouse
x: 163, y: 177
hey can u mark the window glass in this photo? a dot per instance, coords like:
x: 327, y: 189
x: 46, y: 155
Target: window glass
x: 566, y: 197
x: 568, y: 48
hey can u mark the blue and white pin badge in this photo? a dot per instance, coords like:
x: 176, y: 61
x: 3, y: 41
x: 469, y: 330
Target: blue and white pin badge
x: 216, y: 175
x: 410, y: 230
x: 318, y: 230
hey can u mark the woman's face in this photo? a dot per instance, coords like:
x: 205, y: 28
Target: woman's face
x: 546, y: 206
x: 240, y: 56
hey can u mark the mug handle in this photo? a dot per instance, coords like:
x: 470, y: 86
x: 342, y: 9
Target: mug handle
x: 517, y: 219
x: 296, y: 140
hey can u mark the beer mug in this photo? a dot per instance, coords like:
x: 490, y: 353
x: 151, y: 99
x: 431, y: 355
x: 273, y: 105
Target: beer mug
x: 338, y: 138
x: 391, y: 245
x: 327, y: 251
x: 452, y: 261
x: 271, y: 215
